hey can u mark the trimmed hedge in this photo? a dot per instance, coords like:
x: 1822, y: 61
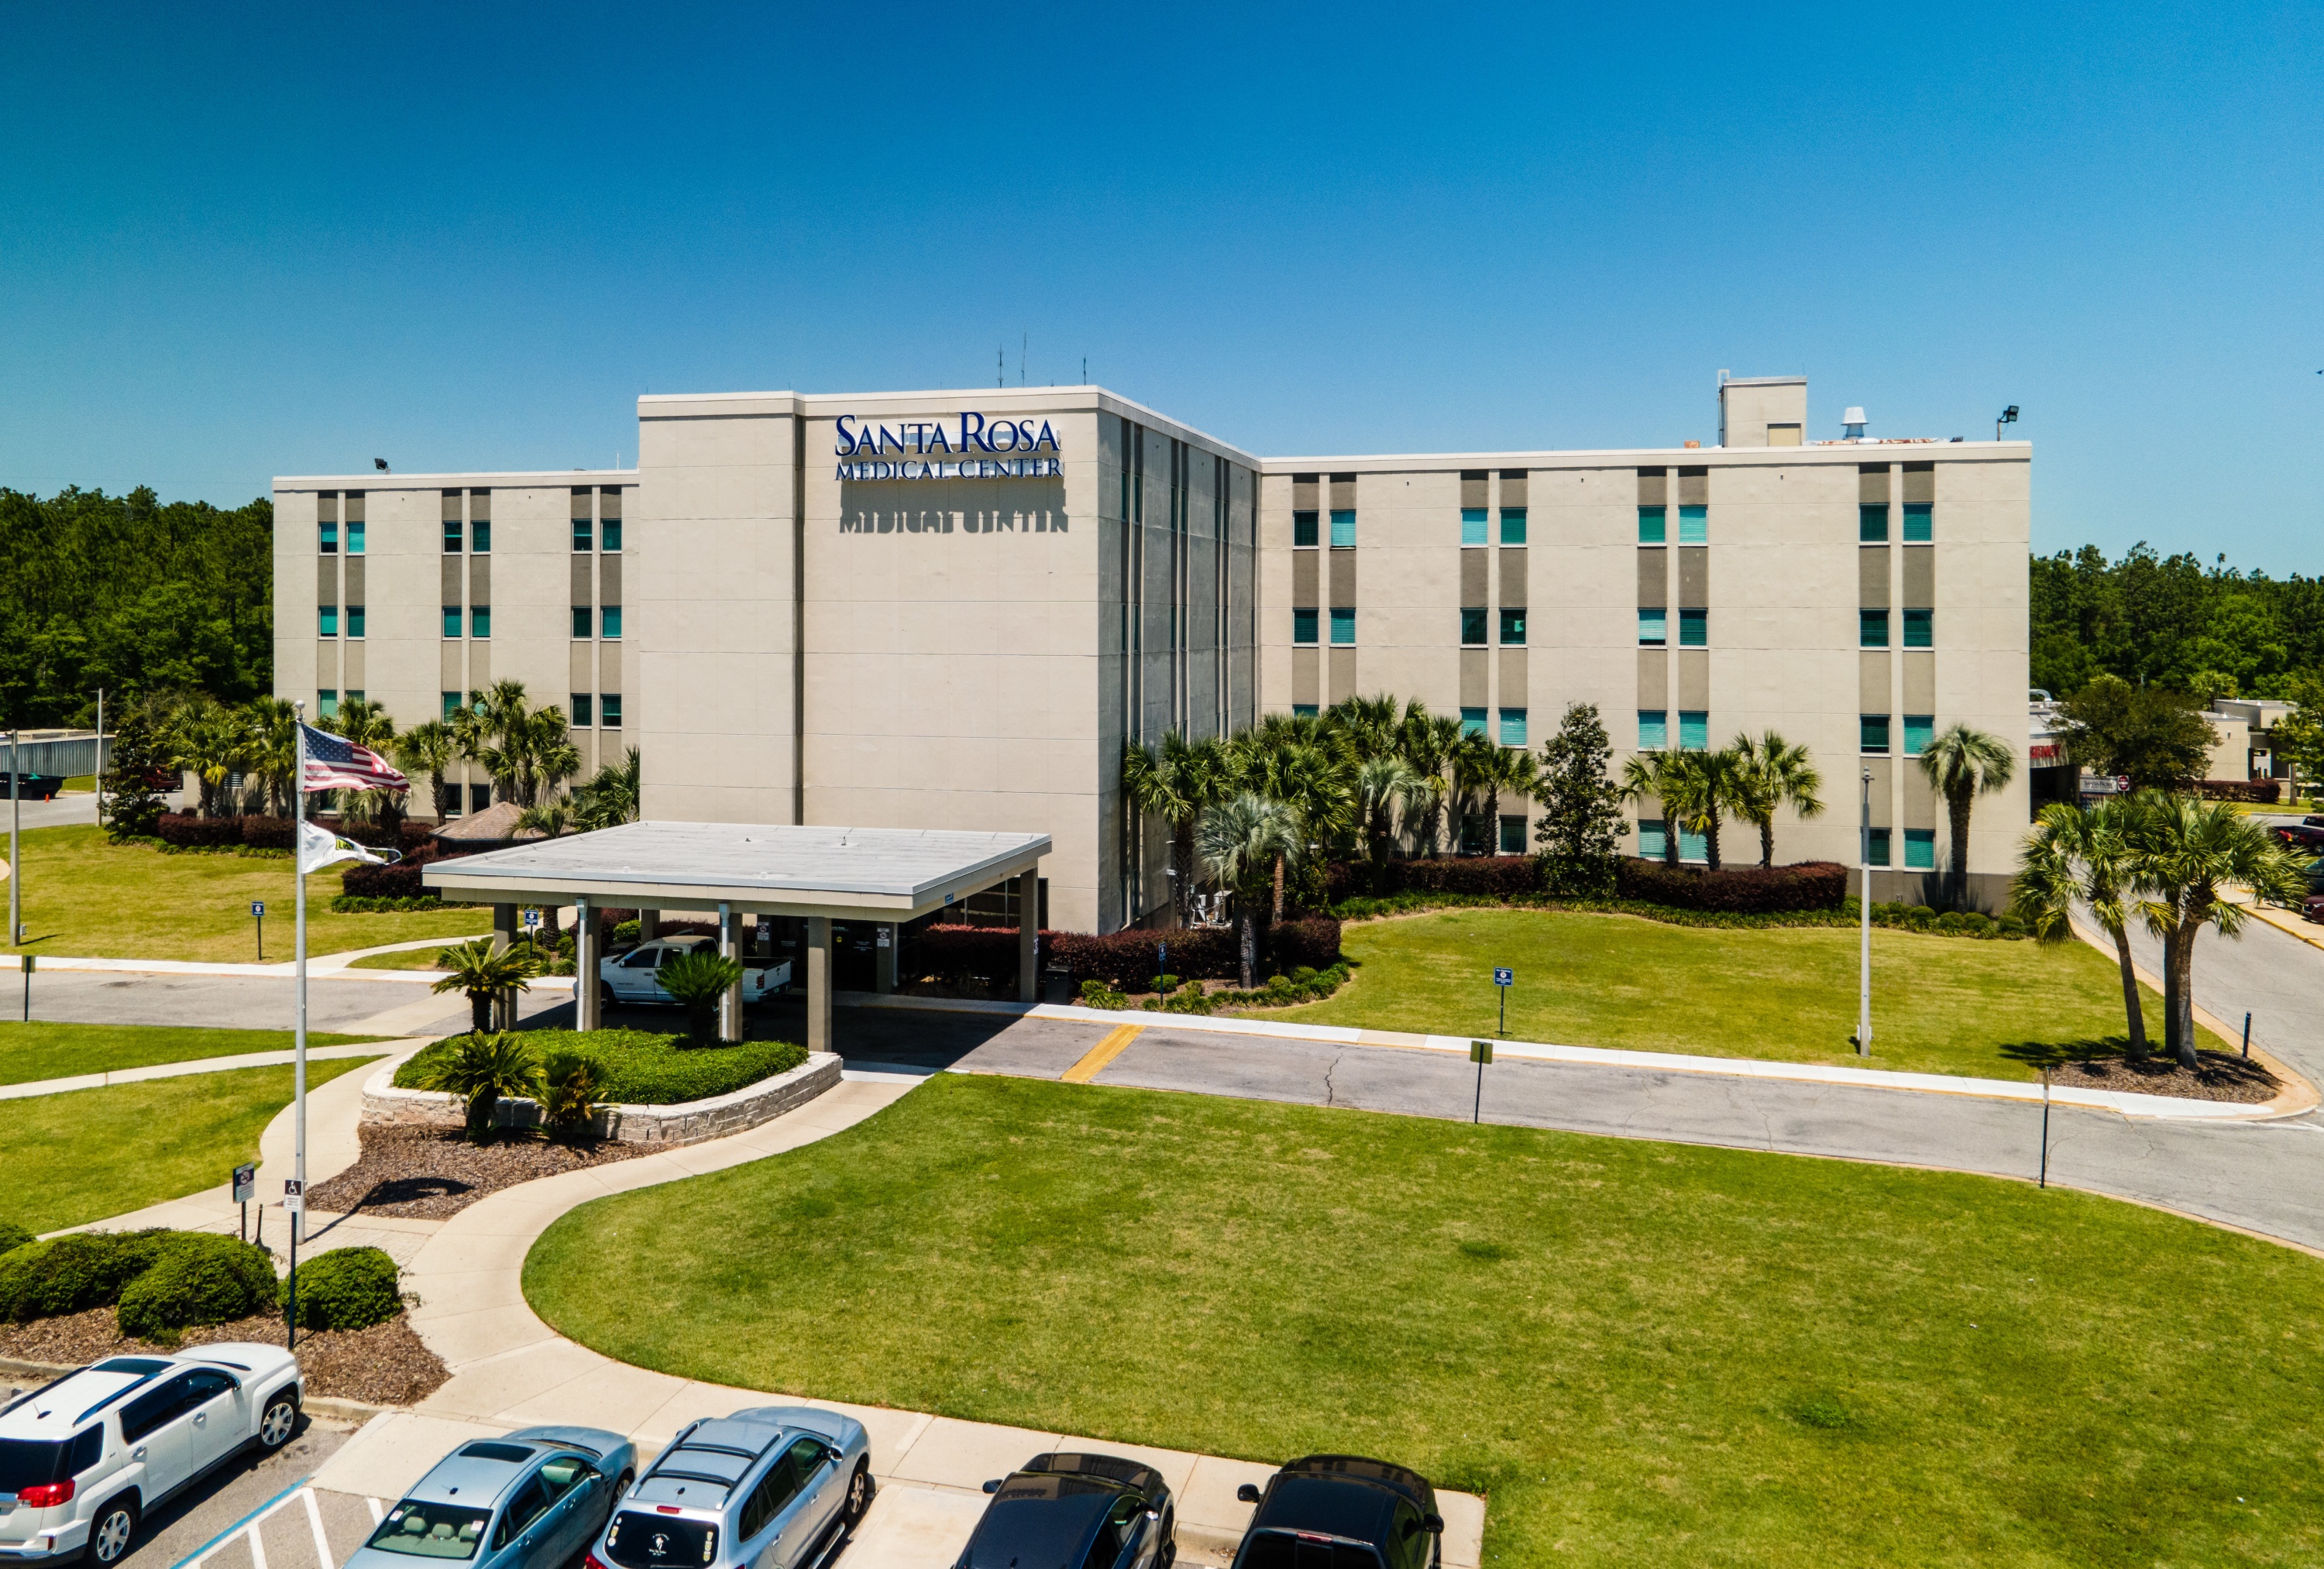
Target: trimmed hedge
x: 360, y: 904
x: 639, y: 1067
x: 1125, y: 961
x: 196, y: 1279
x: 2260, y: 792
x: 347, y: 1288
x: 1737, y: 890
x: 12, y: 1237
x: 1491, y: 877
x: 72, y: 1273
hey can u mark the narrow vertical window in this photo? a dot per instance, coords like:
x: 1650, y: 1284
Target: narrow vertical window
x: 1919, y: 523
x: 1878, y: 855
x: 1872, y: 523
x: 609, y: 621
x: 1473, y: 524
x: 1693, y: 846
x: 1343, y: 529
x: 479, y: 536
x: 1693, y: 730
x: 1872, y: 733
x: 451, y: 620
x: 1695, y: 525
x: 581, y: 707
x: 1693, y: 628
x: 355, y: 537
x: 1513, y: 841
x: 1654, y: 628
x: 1303, y: 624
x: 1653, y: 729
x: 1920, y: 730
x: 1303, y: 530
x: 355, y: 620
x: 480, y: 620
x: 1651, y: 524
x: 327, y: 542
x: 609, y: 711
x: 1920, y: 850
x: 1512, y: 626
x: 581, y: 621
x: 1513, y: 525
x: 1872, y: 629
x: 585, y: 536
x: 1653, y: 839
x: 326, y: 703
x: 609, y: 519
x: 1473, y: 626
x: 1344, y: 625
x: 1513, y: 727
x: 1920, y: 628
x: 451, y: 704
x: 327, y: 619
x: 1472, y: 721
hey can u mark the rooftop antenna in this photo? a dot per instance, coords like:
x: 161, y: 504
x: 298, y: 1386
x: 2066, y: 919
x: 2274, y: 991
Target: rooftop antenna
x: 1085, y: 371
x: 1000, y: 367
x: 1023, y: 339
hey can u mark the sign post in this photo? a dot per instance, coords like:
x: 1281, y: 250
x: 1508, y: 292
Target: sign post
x: 1480, y: 1052
x: 245, y: 1185
x: 2045, y: 1180
x: 294, y: 1205
x: 258, y: 913
x: 27, y: 960
x: 1503, y: 979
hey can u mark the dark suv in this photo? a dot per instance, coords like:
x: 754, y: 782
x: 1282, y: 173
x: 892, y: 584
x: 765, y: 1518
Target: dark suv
x: 1075, y: 1511
x: 1341, y: 1511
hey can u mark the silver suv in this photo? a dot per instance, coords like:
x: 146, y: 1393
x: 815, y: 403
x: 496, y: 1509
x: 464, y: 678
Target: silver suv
x: 767, y: 1487
x: 84, y: 1458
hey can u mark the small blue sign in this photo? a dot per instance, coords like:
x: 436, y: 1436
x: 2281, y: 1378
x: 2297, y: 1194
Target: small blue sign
x: 531, y: 919
x: 258, y: 906
x: 1504, y: 978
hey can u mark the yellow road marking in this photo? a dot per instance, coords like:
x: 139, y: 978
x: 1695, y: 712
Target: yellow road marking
x: 1116, y: 1042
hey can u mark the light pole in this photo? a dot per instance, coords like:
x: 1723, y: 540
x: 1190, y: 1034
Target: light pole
x: 15, y: 849
x: 2007, y: 417
x: 1864, y: 906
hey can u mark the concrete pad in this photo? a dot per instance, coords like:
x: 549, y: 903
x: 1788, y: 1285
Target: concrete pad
x: 913, y: 1528
x: 504, y: 1215
x: 464, y: 1251
x: 613, y: 1395
x: 693, y: 1402
x: 449, y: 1294
x: 392, y: 1452
x: 954, y: 1454
x: 1464, y: 1528
x: 481, y: 1391
x: 478, y: 1336
x: 1208, y: 1499
x: 716, y: 1155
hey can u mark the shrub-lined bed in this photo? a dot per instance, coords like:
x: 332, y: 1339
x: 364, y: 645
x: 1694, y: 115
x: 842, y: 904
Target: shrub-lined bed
x: 639, y: 1067
x: 1123, y: 960
x: 160, y: 1283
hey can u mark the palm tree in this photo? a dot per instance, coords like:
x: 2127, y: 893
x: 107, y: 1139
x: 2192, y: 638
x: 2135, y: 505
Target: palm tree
x: 1771, y: 772
x: 1240, y: 843
x: 1177, y: 782
x: 481, y: 1068
x: 1368, y: 725
x: 1964, y: 763
x: 1518, y: 772
x: 1476, y: 763
x: 525, y: 749
x: 429, y: 749
x: 1382, y: 784
x: 209, y: 740
x: 271, y: 749
x: 698, y: 980
x: 1429, y: 742
x: 1296, y: 766
x: 2078, y: 855
x: 610, y: 795
x: 486, y: 976
x: 2184, y: 854
x: 1684, y: 784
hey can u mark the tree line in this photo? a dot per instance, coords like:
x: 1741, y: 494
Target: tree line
x: 133, y: 596
x: 2172, y: 623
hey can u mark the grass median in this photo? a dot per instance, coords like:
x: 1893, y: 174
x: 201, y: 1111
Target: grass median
x: 1640, y: 1352
x: 37, y: 1050
x: 89, y: 1154
x: 1940, y: 1004
x: 86, y: 897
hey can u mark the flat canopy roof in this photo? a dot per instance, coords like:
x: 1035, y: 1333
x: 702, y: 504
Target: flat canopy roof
x: 883, y: 874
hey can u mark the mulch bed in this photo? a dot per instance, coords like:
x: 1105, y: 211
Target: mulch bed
x: 2222, y: 1076
x: 431, y: 1173
x: 384, y: 1365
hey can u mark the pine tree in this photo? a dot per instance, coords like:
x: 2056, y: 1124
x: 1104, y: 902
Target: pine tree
x: 130, y: 803
x: 1582, y: 817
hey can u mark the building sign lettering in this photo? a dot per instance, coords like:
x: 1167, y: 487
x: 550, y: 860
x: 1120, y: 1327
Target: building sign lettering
x: 910, y: 449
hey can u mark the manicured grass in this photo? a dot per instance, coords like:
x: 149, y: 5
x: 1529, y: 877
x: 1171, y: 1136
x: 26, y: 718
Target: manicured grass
x: 1643, y: 1352
x: 410, y: 959
x: 640, y: 1067
x: 41, y: 1050
x: 91, y: 1153
x: 89, y: 898
x: 1940, y: 1004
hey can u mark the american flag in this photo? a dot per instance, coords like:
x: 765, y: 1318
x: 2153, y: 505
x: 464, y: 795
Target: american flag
x: 336, y: 763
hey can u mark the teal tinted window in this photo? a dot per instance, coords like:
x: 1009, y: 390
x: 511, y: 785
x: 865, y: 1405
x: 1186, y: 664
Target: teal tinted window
x: 1303, y: 711
x: 479, y: 536
x: 1653, y: 729
x: 585, y: 536
x: 1872, y: 524
x: 1513, y: 836
x: 355, y: 620
x: 326, y: 703
x: 1513, y: 727
x: 1472, y: 525
x: 1695, y: 525
x: 1513, y: 525
x: 1919, y: 524
x: 451, y: 537
x: 612, y: 532
x: 451, y: 620
x: 327, y: 539
x: 609, y: 711
x: 1653, y: 839
x: 355, y: 538
x: 1693, y: 847
x: 1303, y: 529
x: 581, y: 621
x: 451, y: 703
x: 609, y: 621
x: 1879, y: 853
x: 1872, y: 629
x: 1920, y: 850
x: 1650, y: 525
x: 1473, y: 626
x: 1343, y: 624
x: 1472, y: 721
x: 1920, y: 729
x: 1693, y: 628
x: 327, y: 621
x: 1654, y: 628
x: 480, y: 620
x: 1344, y: 530
x: 581, y: 709
x: 1920, y: 628
x: 1872, y: 732
x: 1512, y: 626
x: 1303, y: 624
x: 1693, y: 730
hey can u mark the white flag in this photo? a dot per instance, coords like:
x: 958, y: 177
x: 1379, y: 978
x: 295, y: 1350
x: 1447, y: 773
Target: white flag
x: 318, y: 848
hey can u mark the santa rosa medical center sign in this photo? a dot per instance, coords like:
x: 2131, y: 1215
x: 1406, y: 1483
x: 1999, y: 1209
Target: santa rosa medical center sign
x: 929, y: 449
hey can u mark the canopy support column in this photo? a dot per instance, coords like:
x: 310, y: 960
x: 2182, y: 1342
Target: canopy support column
x: 730, y: 1002
x: 818, y: 982
x: 1029, y: 934
x: 504, y: 1015
x: 586, y: 998
x: 884, y: 945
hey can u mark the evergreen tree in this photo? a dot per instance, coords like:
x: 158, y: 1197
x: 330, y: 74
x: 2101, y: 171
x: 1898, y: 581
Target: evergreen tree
x: 130, y: 803
x: 1582, y: 806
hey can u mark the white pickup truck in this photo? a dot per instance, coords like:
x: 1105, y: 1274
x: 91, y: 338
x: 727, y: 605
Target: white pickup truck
x: 633, y: 976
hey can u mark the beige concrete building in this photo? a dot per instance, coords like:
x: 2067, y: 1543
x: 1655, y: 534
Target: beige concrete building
x: 950, y: 610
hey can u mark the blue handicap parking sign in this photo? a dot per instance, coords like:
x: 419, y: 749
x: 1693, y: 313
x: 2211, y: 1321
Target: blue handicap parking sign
x: 1504, y: 978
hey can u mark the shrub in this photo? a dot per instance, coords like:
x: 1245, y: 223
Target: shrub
x: 188, y: 831
x: 1498, y: 877
x: 698, y: 980
x: 356, y: 905
x: 67, y: 1274
x: 481, y: 1069
x: 347, y: 1288
x: 12, y: 1237
x: 1741, y: 890
x: 1300, y: 976
x: 571, y: 1094
x: 266, y: 832
x: 1164, y: 984
x: 196, y: 1279
x: 642, y: 1067
x: 1123, y: 960
x: 625, y: 934
x: 1311, y: 942
x: 1096, y: 994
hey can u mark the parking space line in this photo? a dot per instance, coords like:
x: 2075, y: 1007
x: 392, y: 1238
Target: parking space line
x: 314, y: 1518
x: 257, y: 1547
x: 194, y: 1559
x: 1116, y: 1042
x: 377, y: 1513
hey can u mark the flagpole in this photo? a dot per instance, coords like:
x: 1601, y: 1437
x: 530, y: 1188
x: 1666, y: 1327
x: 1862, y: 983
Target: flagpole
x: 298, y: 1072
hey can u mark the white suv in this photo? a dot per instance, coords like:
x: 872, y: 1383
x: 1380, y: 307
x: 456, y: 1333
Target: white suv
x: 81, y: 1459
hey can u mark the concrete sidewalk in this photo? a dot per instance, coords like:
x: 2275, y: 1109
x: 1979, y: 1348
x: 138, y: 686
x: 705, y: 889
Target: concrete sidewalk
x: 193, y: 1065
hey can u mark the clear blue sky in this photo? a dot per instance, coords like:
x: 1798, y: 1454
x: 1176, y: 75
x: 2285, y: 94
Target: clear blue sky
x: 243, y: 241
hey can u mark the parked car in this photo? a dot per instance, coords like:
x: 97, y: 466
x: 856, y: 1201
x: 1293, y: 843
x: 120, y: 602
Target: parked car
x: 2313, y: 819
x: 767, y: 1487
x: 532, y: 1500
x: 632, y: 976
x: 2312, y: 908
x: 1341, y: 1511
x: 2299, y: 835
x: 1081, y: 1511
x: 87, y: 1456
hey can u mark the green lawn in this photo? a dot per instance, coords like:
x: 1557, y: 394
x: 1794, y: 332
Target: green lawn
x: 91, y: 899
x: 1940, y: 1004
x: 91, y: 1153
x: 38, y: 1051
x: 410, y: 959
x: 1643, y: 1352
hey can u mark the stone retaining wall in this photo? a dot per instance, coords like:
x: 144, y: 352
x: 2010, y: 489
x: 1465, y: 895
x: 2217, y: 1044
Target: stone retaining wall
x: 688, y: 1123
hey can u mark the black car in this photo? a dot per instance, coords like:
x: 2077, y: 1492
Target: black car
x: 1075, y: 1511
x: 1341, y: 1511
